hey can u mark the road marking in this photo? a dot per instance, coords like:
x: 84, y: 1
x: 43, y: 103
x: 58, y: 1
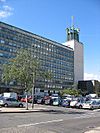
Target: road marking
x: 81, y: 117
x: 45, y: 122
x: 89, y: 115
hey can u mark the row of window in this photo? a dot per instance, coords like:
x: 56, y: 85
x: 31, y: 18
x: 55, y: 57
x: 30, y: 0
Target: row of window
x: 44, y: 50
x: 20, y: 35
x: 58, y: 59
x: 6, y: 55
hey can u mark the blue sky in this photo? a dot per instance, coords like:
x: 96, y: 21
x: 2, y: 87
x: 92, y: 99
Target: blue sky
x: 50, y: 18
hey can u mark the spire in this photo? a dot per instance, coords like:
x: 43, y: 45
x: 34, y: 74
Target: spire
x: 72, y: 33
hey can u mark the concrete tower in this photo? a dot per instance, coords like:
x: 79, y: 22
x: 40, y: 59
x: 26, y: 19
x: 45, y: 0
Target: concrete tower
x: 77, y: 46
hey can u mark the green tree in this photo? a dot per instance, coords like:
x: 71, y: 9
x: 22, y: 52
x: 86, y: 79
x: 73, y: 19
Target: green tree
x: 23, y: 69
x: 70, y: 92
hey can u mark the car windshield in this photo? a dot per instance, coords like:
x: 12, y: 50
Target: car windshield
x: 88, y: 102
x: 55, y: 99
x: 1, y: 98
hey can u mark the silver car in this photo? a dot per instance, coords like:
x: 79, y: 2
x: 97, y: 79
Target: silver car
x: 92, y: 104
x: 80, y: 103
x: 11, y: 102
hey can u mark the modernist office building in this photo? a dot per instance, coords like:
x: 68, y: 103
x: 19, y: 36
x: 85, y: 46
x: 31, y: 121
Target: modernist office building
x: 55, y: 57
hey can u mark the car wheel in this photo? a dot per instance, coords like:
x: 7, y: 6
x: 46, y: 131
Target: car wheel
x: 6, y: 105
x: 91, y: 108
x: 80, y: 107
x: 20, y: 105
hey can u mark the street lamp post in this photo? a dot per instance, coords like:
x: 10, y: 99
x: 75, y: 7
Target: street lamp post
x: 33, y: 97
x: 33, y: 91
x: 33, y: 88
x: 26, y: 100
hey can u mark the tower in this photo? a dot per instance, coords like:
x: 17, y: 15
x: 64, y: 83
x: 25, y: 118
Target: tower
x: 77, y: 46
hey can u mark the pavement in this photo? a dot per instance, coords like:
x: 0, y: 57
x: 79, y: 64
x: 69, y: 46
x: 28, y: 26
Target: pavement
x: 37, y: 108
x: 95, y: 130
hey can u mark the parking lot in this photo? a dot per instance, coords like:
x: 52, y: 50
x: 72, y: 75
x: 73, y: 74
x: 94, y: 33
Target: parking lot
x: 67, y: 101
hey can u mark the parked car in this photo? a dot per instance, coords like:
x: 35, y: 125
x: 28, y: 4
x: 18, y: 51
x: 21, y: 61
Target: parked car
x: 40, y: 100
x: 92, y: 104
x: 67, y: 96
x: 79, y: 104
x: 10, y: 102
x: 23, y: 99
x: 56, y: 101
x: 73, y: 103
x: 47, y: 100
x: 65, y: 103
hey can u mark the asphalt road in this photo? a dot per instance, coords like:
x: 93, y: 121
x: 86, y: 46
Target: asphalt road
x: 57, y: 120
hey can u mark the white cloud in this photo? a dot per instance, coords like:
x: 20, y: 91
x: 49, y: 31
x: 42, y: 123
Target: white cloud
x: 90, y: 76
x: 6, y: 11
x: 7, y: 8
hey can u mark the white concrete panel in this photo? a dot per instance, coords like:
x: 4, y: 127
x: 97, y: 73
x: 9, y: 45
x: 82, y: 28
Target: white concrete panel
x: 78, y: 59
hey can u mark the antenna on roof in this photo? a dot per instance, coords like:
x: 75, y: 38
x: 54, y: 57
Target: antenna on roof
x: 72, y: 21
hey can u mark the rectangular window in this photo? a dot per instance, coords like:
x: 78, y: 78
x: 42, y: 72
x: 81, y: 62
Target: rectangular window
x: 2, y: 41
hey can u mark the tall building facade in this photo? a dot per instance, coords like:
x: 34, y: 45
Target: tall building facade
x: 74, y: 43
x: 54, y: 57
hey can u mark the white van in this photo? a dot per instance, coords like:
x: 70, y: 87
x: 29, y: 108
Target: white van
x: 10, y: 95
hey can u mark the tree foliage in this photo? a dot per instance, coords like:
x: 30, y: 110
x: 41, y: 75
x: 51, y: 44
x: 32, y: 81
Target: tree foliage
x: 21, y: 69
x: 69, y: 91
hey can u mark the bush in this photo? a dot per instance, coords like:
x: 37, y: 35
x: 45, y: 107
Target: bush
x: 70, y: 92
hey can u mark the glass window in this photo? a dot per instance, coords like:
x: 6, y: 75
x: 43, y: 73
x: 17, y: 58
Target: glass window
x: 2, y: 41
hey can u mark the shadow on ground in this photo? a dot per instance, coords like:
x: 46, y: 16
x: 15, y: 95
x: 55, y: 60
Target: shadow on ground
x: 62, y: 112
